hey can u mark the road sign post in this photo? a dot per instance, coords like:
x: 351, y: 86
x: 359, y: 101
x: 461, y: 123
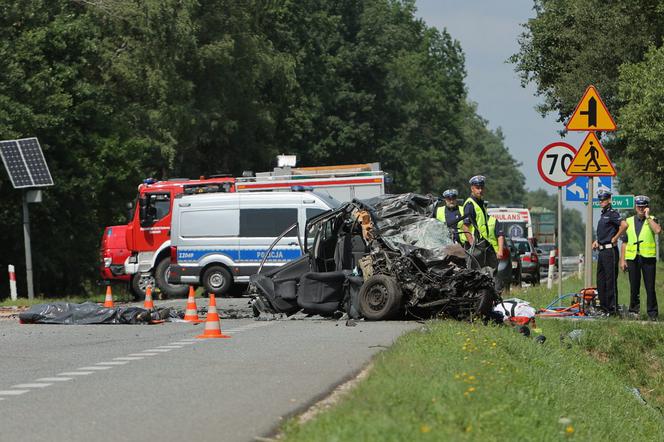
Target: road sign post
x: 560, y: 241
x: 552, y: 165
x: 591, y: 160
x: 588, y: 278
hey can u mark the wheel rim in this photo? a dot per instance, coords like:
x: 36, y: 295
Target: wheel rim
x: 216, y: 280
x: 145, y: 281
x: 376, y: 298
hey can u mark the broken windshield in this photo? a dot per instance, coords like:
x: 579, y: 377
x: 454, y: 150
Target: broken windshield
x: 425, y: 233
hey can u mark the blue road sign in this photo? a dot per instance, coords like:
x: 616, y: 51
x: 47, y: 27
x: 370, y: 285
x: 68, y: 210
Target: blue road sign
x: 577, y: 190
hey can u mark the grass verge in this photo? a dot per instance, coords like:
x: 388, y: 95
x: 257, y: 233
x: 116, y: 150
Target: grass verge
x: 456, y: 381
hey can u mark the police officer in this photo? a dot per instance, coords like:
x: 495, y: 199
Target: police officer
x: 609, y: 228
x: 639, y: 255
x: 449, y: 213
x: 476, y: 225
x: 497, y: 240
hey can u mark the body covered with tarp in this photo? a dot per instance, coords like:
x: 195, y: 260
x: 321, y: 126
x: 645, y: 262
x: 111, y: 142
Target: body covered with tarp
x: 89, y: 313
x: 377, y: 259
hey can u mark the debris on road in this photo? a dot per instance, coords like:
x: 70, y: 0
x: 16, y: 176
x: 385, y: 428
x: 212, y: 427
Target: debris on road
x: 377, y: 259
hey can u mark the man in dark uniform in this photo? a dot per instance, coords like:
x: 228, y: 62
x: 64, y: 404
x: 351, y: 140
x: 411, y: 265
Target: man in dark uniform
x: 639, y: 255
x: 476, y: 225
x: 449, y: 213
x: 609, y: 228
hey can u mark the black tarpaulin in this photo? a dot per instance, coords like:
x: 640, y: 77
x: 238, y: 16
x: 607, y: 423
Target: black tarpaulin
x: 89, y: 313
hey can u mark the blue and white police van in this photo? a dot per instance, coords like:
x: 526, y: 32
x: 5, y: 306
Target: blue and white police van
x: 221, y: 238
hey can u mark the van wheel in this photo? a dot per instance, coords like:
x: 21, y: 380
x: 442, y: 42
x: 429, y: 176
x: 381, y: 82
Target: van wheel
x: 139, y: 284
x: 217, y: 280
x: 161, y: 276
x: 380, y: 298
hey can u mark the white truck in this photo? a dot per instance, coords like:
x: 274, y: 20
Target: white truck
x: 344, y: 182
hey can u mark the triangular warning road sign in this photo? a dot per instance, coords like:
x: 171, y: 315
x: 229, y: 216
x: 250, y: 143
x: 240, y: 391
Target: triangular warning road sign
x: 591, y: 114
x: 591, y: 159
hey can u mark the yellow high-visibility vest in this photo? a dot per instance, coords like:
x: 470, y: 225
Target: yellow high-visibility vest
x: 480, y: 220
x: 493, y: 240
x: 646, y: 247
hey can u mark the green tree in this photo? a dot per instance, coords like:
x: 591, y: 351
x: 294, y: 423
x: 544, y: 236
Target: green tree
x: 120, y: 90
x: 570, y: 44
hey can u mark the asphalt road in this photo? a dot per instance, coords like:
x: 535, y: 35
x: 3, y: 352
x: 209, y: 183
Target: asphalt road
x: 128, y: 383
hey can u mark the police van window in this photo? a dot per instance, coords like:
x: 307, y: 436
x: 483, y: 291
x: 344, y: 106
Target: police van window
x: 213, y: 223
x: 161, y: 202
x: 266, y: 223
x: 314, y: 212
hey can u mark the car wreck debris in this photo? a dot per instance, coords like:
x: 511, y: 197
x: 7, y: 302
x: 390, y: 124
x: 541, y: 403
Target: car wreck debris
x: 378, y: 259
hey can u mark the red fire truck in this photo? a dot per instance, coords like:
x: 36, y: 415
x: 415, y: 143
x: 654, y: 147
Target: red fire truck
x: 146, y: 255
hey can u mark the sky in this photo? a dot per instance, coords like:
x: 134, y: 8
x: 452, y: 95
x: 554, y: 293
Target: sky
x: 488, y: 31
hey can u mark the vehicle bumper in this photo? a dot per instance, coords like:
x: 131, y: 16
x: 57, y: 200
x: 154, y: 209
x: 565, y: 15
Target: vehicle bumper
x: 114, y: 272
x: 184, y: 274
x: 529, y: 267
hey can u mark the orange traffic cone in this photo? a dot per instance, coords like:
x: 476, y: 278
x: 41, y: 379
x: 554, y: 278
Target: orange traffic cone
x: 191, y: 314
x: 108, y: 302
x: 148, y: 304
x: 212, y: 322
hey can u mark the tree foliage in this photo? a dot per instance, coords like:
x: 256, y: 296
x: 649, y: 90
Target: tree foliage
x: 617, y: 46
x: 119, y: 90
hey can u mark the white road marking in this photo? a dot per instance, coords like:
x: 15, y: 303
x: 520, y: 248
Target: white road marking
x: 12, y: 392
x: 30, y: 385
x: 94, y: 368
x: 161, y: 350
x: 143, y: 354
x: 182, y: 343
x: 189, y: 339
x: 128, y: 358
x: 53, y: 379
x: 112, y: 363
x: 75, y: 373
x: 170, y: 346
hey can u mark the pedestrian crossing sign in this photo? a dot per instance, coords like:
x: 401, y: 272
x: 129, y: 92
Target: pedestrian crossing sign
x: 591, y: 159
x: 591, y: 114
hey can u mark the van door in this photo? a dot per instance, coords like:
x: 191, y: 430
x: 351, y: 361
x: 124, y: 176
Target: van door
x: 261, y: 222
x: 206, y: 234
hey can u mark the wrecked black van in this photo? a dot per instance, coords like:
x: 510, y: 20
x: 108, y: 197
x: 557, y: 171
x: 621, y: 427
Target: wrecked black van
x: 382, y: 258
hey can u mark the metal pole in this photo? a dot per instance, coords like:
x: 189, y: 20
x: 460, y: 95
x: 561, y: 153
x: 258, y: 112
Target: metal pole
x: 560, y: 241
x: 28, y: 251
x: 588, y: 281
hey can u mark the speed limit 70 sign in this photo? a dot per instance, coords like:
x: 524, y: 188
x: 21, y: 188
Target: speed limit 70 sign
x: 553, y: 161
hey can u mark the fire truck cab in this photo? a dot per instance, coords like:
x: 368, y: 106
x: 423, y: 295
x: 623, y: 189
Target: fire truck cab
x: 149, y: 229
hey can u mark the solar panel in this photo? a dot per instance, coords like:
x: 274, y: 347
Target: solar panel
x: 34, y: 158
x: 25, y: 163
